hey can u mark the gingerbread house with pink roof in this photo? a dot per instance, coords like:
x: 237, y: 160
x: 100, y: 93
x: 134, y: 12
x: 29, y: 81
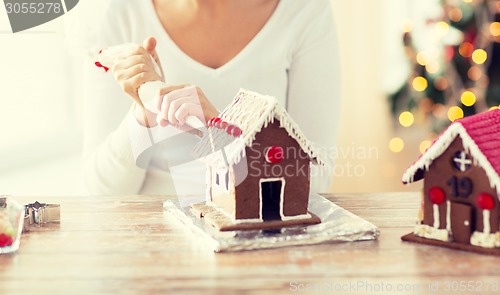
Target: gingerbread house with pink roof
x: 460, y: 206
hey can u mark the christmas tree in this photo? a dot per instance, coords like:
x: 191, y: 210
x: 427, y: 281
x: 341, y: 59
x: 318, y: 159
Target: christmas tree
x: 455, y: 65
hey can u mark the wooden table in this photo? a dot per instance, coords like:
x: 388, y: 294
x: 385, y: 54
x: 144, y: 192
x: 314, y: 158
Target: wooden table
x: 111, y: 245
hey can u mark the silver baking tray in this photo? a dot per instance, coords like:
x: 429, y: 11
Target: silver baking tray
x: 337, y: 225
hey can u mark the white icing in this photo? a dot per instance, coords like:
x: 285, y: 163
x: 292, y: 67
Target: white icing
x: 251, y: 112
x: 430, y: 232
x: 435, y: 208
x: 250, y: 220
x: 448, y: 216
x: 485, y: 240
x: 442, y: 143
x: 208, y: 182
x: 282, y: 193
x: 486, y: 222
x: 296, y: 217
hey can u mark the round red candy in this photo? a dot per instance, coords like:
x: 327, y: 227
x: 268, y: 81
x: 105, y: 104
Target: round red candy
x: 485, y: 201
x: 223, y: 125
x: 233, y: 130
x: 5, y: 240
x: 216, y: 122
x: 436, y: 195
x: 275, y: 154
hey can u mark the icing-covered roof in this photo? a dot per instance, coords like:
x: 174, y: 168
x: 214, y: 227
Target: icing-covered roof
x: 250, y: 112
x: 481, y: 138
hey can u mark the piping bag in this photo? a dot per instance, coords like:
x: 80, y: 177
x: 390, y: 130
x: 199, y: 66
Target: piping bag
x: 147, y: 91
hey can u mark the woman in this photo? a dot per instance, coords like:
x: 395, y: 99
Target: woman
x: 281, y: 48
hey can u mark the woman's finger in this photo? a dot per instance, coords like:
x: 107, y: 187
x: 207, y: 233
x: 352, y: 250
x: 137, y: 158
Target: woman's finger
x: 175, y: 105
x: 162, y: 93
x: 131, y: 61
x: 188, y: 109
x: 131, y: 72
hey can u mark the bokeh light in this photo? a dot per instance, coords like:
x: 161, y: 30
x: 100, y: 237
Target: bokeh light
x: 424, y: 145
x: 422, y: 58
x: 439, y: 111
x: 441, y: 83
x: 432, y: 67
x: 455, y: 113
x: 466, y: 49
x: 406, y: 119
x: 420, y: 84
x: 479, y: 56
x: 474, y: 73
x: 396, y: 144
x: 407, y: 26
x: 495, y: 29
x: 468, y: 98
x: 442, y: 28
x: 455, y: 14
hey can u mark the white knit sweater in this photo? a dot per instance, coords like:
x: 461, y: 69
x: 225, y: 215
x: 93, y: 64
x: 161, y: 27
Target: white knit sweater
x: 292, y: 58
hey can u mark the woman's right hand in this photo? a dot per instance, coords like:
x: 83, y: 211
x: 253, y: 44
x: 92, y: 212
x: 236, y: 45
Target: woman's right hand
x: 136, y: 67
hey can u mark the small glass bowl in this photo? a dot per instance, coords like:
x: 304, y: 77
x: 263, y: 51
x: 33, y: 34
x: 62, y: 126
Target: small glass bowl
x: 11, y: 224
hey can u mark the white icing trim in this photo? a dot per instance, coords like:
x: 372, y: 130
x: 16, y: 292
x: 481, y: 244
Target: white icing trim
x: 435, y: 215
x: 429, y: 232
x: 442, y: 143
x: 296, y: 217
x: 282, y: 193
x: 485, y: 240
x: 208, y: 179
x: 251, y: 112
x: 486, y: 222
x: 448, y: 216
x: 249, y: 220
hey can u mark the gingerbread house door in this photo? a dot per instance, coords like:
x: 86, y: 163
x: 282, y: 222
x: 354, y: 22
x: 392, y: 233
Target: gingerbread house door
x: 461, y: 222
x: 271, y: 194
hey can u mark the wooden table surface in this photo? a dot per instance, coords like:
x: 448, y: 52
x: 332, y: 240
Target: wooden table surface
x: 128, y: 245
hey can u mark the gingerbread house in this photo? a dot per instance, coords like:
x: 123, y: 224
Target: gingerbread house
x: 460, y: 206
x: 257, y: 167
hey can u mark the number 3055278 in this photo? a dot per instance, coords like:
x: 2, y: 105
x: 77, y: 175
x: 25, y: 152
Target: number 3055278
x: 33, y: 8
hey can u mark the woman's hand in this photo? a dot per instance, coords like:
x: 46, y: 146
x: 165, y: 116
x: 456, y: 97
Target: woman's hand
x: 176, y: 102
x: 135, y: 67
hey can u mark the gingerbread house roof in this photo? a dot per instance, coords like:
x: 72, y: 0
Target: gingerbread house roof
x: 250, y: 112
x: 481, y: 138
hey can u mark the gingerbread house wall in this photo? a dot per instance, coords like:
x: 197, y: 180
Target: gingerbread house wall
x: 294, y: 168
x: 438, y: 174
x: 221, y: 194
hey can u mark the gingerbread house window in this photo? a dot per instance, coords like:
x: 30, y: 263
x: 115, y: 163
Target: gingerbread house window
x: 461, y: 161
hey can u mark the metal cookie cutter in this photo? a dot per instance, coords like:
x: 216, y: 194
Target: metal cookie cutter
x: 40, y: 213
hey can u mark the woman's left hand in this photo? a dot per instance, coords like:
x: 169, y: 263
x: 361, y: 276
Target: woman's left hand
x: 175, y: 103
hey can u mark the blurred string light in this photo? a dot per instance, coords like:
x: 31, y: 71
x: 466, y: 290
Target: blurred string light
x: 406, y: 119
x: 396, y: 144
x: 442, y: 28
x: 424, y: 145
x: 466, y: 49
x: 455, y: 113
x: 474, y: 73
x: 495, y: 29
x: 468, y: 98
x: 420, y: 84
x: 451, y: 68
x: 479, y: 56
